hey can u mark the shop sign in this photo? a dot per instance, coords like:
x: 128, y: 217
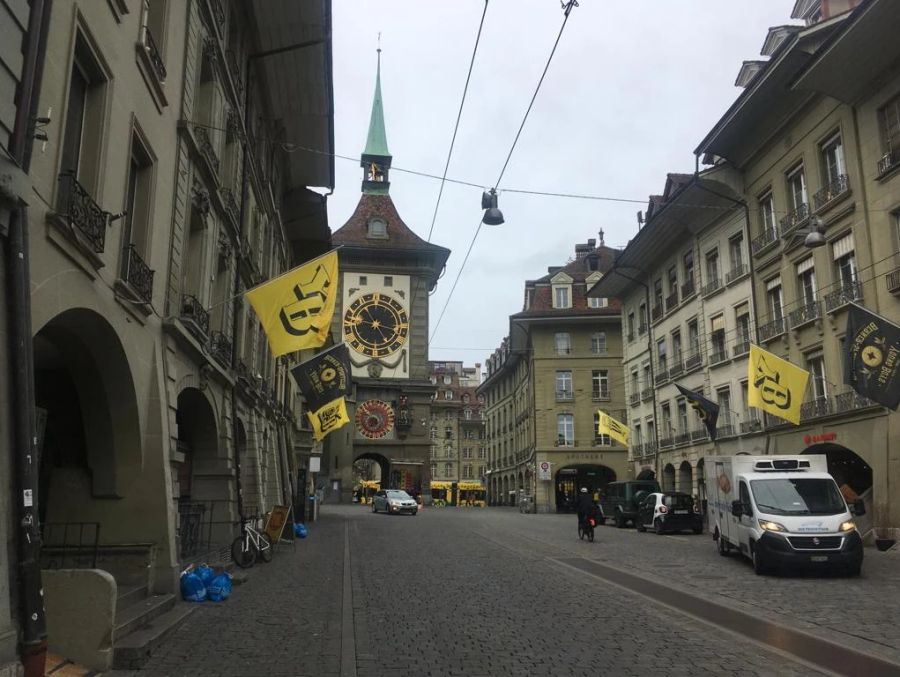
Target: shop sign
x: 815, y: 439
x: 544, y: 470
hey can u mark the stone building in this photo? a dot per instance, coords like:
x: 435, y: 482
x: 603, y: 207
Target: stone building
x: 386, y: 275
x: 561, y: 363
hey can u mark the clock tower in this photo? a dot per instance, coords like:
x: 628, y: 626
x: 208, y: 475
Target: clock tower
x: 386, y: 275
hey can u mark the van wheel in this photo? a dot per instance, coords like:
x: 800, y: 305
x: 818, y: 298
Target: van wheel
x: 758, y: 567
x: 721, y: 544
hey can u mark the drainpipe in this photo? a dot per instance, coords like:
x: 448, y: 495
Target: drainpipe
x: 27, y: 467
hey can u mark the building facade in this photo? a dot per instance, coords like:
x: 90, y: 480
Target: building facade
x: 561, y: 363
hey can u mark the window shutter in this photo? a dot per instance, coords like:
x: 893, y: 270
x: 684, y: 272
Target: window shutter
x: 774, y: 283
x: 805, y: 264
x: 843, y: 246
x: 718, y: 323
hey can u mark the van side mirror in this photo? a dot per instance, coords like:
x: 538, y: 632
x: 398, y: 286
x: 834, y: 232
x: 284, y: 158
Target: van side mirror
x: 858, y: 507
x: 737, y: 508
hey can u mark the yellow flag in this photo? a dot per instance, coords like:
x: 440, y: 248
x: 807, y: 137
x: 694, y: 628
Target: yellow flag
x: 295, y: 309
x: 775, y: 385
x: 607, y: 425
x: 328, y: 418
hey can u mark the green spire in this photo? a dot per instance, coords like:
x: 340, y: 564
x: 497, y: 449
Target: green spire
x: 376, y: 143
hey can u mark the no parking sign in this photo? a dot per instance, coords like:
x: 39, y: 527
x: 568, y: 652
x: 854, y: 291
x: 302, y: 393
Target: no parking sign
x: 544, y: 470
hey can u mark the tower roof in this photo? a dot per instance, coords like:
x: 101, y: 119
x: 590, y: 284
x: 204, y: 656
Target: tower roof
x: 376, y: 142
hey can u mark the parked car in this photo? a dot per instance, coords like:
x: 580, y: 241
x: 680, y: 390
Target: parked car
x: 665, y: 511
x: 394, y: 501
x: 620, y: 499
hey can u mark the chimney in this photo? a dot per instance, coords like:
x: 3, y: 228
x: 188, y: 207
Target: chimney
x: 582, y: 250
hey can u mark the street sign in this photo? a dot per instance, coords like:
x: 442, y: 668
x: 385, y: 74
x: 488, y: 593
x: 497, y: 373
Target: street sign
x: 544, y: 470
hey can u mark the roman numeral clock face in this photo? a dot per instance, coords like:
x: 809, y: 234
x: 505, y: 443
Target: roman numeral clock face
x: 376, y: 325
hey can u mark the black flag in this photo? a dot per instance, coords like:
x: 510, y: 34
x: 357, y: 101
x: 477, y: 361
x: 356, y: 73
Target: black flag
x: 872, y: 356
x: 324, y: 381
x: 708, y: 411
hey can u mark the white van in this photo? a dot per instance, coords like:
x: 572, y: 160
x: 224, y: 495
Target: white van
x: 782, y: 512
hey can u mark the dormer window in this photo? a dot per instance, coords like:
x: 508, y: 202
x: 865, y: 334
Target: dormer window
x: 377, y: 229
x: 562, y: 291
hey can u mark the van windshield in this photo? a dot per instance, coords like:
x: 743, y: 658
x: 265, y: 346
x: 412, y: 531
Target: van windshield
x: 800, y: 496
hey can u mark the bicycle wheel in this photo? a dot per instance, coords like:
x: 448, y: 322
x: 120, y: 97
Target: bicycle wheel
x: 244, y: 558
x: 265, y: 548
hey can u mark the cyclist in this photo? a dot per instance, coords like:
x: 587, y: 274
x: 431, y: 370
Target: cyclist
x: 585, y: 505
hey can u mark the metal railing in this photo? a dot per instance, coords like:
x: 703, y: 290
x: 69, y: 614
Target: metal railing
x: 666, y: 441
x: 82, y: 212
x: 682, y: 438
x: 693, y: 360
x: 761, y: 243
x: 821, y: 406
x: 231, y: 205
x: 735, y: 273
x: 848, y: 291
x: 672, y: 301
x: 150, y: 46
x: 806, y: 313
x: 221, y: 348
x: 751, y: 425
x: 642, y: 329
x: 699, y: 434
x: 772, y: 329
x: 711, y: 286
x: 646, y: 394
x: 656, y: 313
x: 192, y: 310
x: 687, y: 289
x: 727, y: 430
x: 662, y: 375
x: 719, y: 354
x: 70, y: 545
x: 888, y: 161
x: 740, y: 348
x: 676, y: 367
x: 206, y: 146
x: 794, y: 218
x: 190, y: 528
x: 138, y: 274
x: 892, y: 280
x: 218, y: 12
x: 634, y: 398
x: 851, y: 401
x: 834, y: 189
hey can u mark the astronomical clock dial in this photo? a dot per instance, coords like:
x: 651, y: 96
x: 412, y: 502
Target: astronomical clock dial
x: 374, y: 419
x: 376, y: 325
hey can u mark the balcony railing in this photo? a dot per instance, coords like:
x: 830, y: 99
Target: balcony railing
x: 677, y: 366
x: 719, y: 354
x: 220, y: 346
x: 806, y: 313
x: 851, y: 401
x: 848, y: 291
x: 661, y: 376
x: 634, y: 398
x: 231, y: 205
x: 206, y: 147
x: 646, y: 394
x: 699, y: 434
x: 794, y: 218
x: 726, y: 430
x: 740, y: 348
x: 666, y: 441
x: 218, y: 13
x: 656, y: 313
x: 138, y: 274
x: 193, y: 311
x: 637, y: 450
x: 682, y: 438
x: 735, y: 273
x: 711, y: 287
x: 159, y: 67
x: 837, y: 187
x: 892, y: 280
x: 642, y: 329
x: 762, y: 242
x: 82, y: 212
x: 693, y: 359
x: 888, y: 161
x: 821, y: 406
x: 672, y: 301
x: 687, y: 289
x: 751, y: 425
x: 772, y: 329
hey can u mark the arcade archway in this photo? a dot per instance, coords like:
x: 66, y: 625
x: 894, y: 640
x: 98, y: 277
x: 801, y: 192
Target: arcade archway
x: 851, y: 473
x: 685, y: 478
x: 668, y: 483
x: 570, y: 480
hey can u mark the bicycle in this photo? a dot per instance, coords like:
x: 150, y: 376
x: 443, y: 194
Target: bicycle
x: 250, y: 545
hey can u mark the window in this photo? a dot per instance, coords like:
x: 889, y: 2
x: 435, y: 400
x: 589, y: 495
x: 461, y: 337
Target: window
x: 563, y: 343
x: 448, y: 432
x: 635, y: 384
x: 676, y: 345
x: 433, y: 469
x: 666, y: 410
x: 647, y: 381
x: 736, y: 253
x: 767, y: 213
x: 661, y: 354
x: 642, y: 309
x: 631, y: 326
x: 564, y: 385
x: 138, y: 200
x: 742, y: 322
x: 723, y: 399
x: 600, y: 440
x: 600, y: 384
x: 712, y: 267
x: 890, y: 124
x: 153, y: 34
x: 467, y: 472
x: 388, y: 281
x: 806, y: 281
x: 448, y: 379
x: 448, y: 415
x: 467, y: 452
x: 796, y: 184
x: 565, y: 430
x: 561, y: 297
x: 845, y: 261
x: 833, y: 163
x: 717, y: 338
x: 433, y: 432
x: 467, y: 414
x: 688, y: 266
x: 363, y: 280
x: 598, y: 343
x: 682, y: 415
x: 448, y: 469
x: 774, y: 300
x: 673, y: 281
x: 377, y: 229
x: 815, y: 364
x: 636, y: 426
x: 657, y: 294
x: 597, y: 302
x: 448, y: 394
x: 693, y: 338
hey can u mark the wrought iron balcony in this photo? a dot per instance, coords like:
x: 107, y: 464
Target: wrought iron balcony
x: 719, y: 354
x: 888, y: 161
x: 221, y: 348
x: 649, y: 448
x: 893, y: 281
x: 159, y: 67
x: 693, y: 360
x: 637, y: 450
x: 774, y: 421
x: 656, y: 313
x: 711, y: 287
x: 677, y: 366
x: 82, y: 212
x: 666, y: 441
x: 806, y: 313
x: 206, y: 146
x: 848, y: 291
x: 218, y: 13
x: 699, y: 434
x: 687, y: 289
x: 793, y: 219
x: 642, y: 329
x: 634, y: 398
x: 751, y: 425
x: 740, y: 348
x: 727, y: 430
x: 837, y: 187
x: 851, y: 401
x: 821, y: 406
x: 646, y: 394
x: 231, y: 205
x: 672, y: 301
x: 772, y: 329
x: 192, y: 311
x: 682, y: 438
x: 736, y: 272
x: 137, y: 274
x: 763, y: 242
x: 661, y: 376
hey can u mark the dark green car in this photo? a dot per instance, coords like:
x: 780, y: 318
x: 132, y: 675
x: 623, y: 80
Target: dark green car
x: 620, y: 500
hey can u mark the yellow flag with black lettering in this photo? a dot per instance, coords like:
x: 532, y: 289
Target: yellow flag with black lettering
x: 607, y: 425
x: 328, y: 418
x: 295, y: 309
x: 775, y: 385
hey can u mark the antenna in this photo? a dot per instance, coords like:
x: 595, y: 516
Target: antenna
x: 640, y: 219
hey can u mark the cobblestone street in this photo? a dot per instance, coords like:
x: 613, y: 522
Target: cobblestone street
x: 482, y: 592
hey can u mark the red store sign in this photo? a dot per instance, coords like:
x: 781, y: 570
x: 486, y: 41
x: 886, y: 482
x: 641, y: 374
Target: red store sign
x: 815, y: 439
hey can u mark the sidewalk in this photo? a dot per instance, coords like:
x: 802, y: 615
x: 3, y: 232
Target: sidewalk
x: 284, y: 621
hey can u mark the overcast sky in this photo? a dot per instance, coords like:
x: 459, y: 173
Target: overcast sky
x: 632, y: 89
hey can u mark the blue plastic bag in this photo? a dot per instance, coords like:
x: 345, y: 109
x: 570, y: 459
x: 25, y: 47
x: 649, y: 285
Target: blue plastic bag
x: 300, y: 530
x: 192, y: 588
x: 219, y: 588
x: 205, y: 573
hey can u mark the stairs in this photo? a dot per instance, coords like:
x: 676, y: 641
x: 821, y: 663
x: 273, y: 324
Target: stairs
x: 143, y: 621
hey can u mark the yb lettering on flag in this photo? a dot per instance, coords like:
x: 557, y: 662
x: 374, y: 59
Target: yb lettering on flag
x: 328, y: 418
x: 607, y: 425
x: 774, y: 385
x: 872, y: 357
x: 295, y: 309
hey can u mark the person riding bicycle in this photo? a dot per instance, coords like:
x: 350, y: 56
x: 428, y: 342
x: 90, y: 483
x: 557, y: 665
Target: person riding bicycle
x: 586, y: 506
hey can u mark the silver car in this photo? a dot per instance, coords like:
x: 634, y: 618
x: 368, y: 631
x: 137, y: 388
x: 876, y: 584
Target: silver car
x: 394, y: 501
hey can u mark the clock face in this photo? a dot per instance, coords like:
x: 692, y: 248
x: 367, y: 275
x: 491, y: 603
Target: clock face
x: 374, y: 419
x: 376, y: 325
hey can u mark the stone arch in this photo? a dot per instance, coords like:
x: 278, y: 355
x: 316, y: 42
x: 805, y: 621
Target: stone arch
x: 570, y: 479
x: 852, y: 475
x: 668, y: 483
x: 646, y: 473
x: 686, y: 478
